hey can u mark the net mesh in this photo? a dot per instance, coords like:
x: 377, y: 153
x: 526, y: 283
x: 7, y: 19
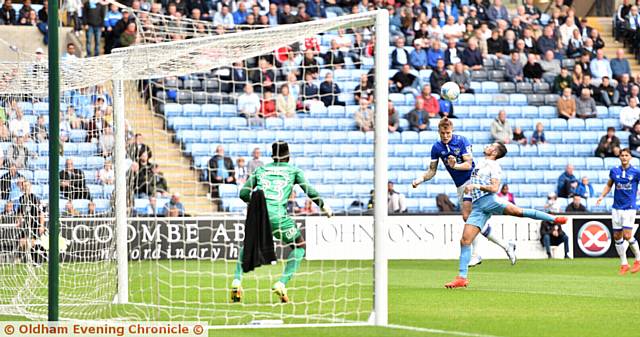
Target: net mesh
x: 182, y: 101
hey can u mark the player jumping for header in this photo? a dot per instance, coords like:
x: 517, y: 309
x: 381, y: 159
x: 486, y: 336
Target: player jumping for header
x: 623, y: 216
x: 455, y: 153
x: 483, y: 186
x: 277, y: 181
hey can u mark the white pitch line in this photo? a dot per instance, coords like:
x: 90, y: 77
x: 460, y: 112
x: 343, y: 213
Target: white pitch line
x: 443, y: 332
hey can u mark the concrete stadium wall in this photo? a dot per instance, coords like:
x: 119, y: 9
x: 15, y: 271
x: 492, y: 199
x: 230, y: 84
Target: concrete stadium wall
x: 28, y: 39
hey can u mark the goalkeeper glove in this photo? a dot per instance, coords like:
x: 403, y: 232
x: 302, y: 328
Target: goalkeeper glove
x: 327, y: 211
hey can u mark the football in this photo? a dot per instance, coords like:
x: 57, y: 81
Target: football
x: 450, y: 91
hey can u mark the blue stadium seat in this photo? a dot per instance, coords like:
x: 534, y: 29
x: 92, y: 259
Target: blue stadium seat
x: 325, y: 190
x: 238, y: 122
x: 348, y: 150
x: 518, y: 99
x: 332, y: 177
x: 342, y: 191
x: 312, y: 150
x: 292, y: 124
x: 614, y: 111
x: 234, y: 205
x: 397, y: 99
x: 428, y: 205
x: 314, y: 177
x: 413, y: 205
x: 402, y: 150
x: 527, y: 190
x: 553, y: 136
x: 190, y: 110
x: 274, y: 123
x: 576, y: 124
x: 95, y: 163
x: 394, y: 138
x: 571, y: 137
x: 529, y: 111
x: 360, y: 163
x: 466, y: 99
x: 410, y: 137
x: 489, y: 87
x: 41, y: 176
x: 413, y: 163
x: 558, y: 124
x: 593, y: 124
x: 521, y: 163
x: 564, y: 150
x: 337, y: 205
x: 340, y: 163
x: 336, y: 111
x: 578, y: 162
x: 209, y: 136
x: 533, y: 177
x: 583, y: 150
x: 557, y: 163
x: 228, y: 191
x: 210, y: 109
x: 395, y: 163
x: 477, y: 112
x: 365, y: 150
x: 547, y: 112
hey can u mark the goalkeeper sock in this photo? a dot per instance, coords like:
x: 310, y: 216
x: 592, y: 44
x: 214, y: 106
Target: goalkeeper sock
x: 293, y: 263
x: 633, y: 244
x: 489, y: 235
x: 238, y: 274
x: 533, y: 214
x: 622, y: 251
x: 465, y: 257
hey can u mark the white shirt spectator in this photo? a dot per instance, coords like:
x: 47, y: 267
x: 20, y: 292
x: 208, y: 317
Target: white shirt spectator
x: 629, y: 115
x: 566, y: 32
x: 600, y: 67
x: 106, y: 177
x: 226, y: 20
x: 249, y: 103
x: 19, y: 126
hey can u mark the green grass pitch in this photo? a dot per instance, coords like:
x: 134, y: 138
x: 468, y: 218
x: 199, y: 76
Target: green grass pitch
x: 582, y: 297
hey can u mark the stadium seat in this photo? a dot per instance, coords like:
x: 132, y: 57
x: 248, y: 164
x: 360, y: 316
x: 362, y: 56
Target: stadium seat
x: 518, y: 99
x: 360, y: 163
x: 490, y: 87
x: 466, y: 99
x: 575, y: 124
x: 524, y: 87
x: 483, y: 99
x: 534, y: 177
x: 535, y: 99
x: 507, y: 87
x: 541, y: 88
x: 551, y: 99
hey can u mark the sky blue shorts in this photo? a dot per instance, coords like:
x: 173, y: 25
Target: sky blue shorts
x: 484, y: 208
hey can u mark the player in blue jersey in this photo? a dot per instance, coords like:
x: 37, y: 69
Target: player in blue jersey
x: 625, y: 178
x: 455, y: 153
x: 482, y: 188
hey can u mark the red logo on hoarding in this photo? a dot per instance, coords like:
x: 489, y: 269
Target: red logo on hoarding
x: 594, y: 238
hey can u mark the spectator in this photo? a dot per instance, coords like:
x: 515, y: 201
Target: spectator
x: 451, y: 54
x: 547, y: 41
x: 634, y: 140
x: 255, y: 160
x: 330, y: 91
x: 550, y: 67
x: 40, y: 133
x: 620, y: 65
x: 501, y: 129
x: 242, y: 171
x: 506, y: 195
x: 585, y: 63
x: 19, y: 126
x: 268, y: 106
x: 174, y: 207
x: 9, y: 214
x: 152, y: 208
x: 106, y: 175
x: 519, y: 137
x: 532, y: 71
x: 8, y: 14
x: 461, y: 78
x: 285, y: 103
x: 439, y: 77
x: 138, y: 147
x: 155, y: 182
x: 364, y: 89
x: 633, y: 94
x: 471, y: 56
x: 552, y: 205
x: 69, y: 210
x: 567, y: 182
x: 72, y: 183
x: 418, y: 57
x: 418, y: 117
x: 496, y: 45
x: 310, y: 64
x: 434, y: 54
x: 567, y: 30
x: 562, y: 81
x: 566, y: 105
x: 430, y: 103
x: 334, y: 57
x: 576, y: 205
x: 624, y: 89
x: 263, y: 77
x: 394, y: 119
x: 316, y: 9
x: 397, y: 201
x: 404, y: 81
x: 111, y: 19
x: 446, y: 109
x: 248, y: 103
x: 70, y: 53
x: 223, y: 17
x: 308, y: 209
x: 600, y: 66
x: 364, y: 116
x: 240, y: 15
x: 18, y: 154
x: 498, y: 14
x: 399, y: 55
x: 608, y: 94
x: 598, y: 42
x: 552, y: 234
x: 513, y: 68
x: 585, y: 189
x: 310, y: 90
x: 609, y: 145
x: 221, y: 169
x: 129, y: 36
x: 10, y: 183
x: 629, y: 115
x: 292, y: 204
x: 585, y: 105
x: 106, y: 142
x: 538, y: 135
x: 93, y: 14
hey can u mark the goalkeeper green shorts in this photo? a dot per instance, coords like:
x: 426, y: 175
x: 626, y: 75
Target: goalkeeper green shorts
x: 284, y: 229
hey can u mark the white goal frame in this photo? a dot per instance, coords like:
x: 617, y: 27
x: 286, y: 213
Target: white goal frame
x: 379, y: 314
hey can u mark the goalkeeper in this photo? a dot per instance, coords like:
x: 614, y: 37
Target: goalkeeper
x: 277, y: 181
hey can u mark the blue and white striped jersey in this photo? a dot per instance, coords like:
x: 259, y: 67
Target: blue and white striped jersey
x: 482, y: 175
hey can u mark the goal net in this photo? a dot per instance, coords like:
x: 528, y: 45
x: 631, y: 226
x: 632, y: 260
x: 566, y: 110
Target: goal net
x: 168, y: 131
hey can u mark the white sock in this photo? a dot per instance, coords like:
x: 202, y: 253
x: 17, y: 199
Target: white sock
x: 488, y: 233
x: 236, y: 283
x: 633, y: 244
x: 475, y: 247
x: 622, y: 251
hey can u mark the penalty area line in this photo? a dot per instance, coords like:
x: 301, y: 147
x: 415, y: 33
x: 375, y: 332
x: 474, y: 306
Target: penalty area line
x: 443, y: 332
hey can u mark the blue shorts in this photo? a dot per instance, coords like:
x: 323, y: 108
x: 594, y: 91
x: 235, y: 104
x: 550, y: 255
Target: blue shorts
x: 484, y: 208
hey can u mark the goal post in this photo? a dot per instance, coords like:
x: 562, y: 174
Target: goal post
x: 127, y: 264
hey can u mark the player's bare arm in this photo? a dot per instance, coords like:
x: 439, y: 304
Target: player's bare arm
x: 494, y: 187
x: 466, y: 165
x: 605, y: 191
x: 433, y: 168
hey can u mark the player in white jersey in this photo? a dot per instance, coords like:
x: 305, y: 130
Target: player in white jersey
x: 455, y: 153
x: 623, y: 218
x: 483, y: 186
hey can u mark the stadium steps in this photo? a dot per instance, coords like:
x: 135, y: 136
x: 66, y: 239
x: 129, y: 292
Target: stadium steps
x: 175, y: 166
x: 604, y: 26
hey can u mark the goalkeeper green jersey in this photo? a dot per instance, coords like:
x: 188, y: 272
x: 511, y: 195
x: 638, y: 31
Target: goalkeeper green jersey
x: 277, y: 181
